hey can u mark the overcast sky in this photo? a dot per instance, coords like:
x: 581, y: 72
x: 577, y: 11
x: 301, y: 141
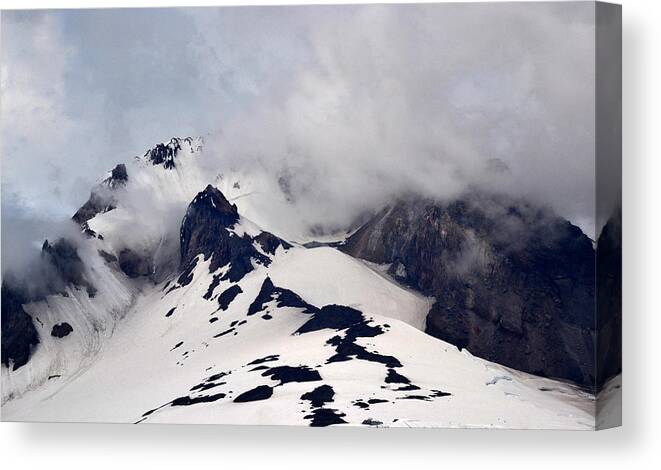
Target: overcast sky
x: 357, y: 103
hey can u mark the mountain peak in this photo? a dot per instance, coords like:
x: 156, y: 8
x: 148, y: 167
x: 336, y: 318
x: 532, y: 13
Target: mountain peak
x: 211, y: 227
x: 206, y: 223
x: 212, y: 199
x: 165, y: 154
x: 118, y: 177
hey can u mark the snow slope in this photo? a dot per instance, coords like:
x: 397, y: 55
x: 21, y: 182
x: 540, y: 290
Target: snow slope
x: 141, y: 368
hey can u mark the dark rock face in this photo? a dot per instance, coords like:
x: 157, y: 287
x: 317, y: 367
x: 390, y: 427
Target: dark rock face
x: 228, y: 295
x: 206, y: 230
x: 609, y: 300
x: 322, y: 417
x: 118, y: 176
x: 61, y: 330
x: 165, y: 154
x: 513, y: 284
x: 133, y: 264
x: 96, y: 204
x: 19, y: 336
x: 319, y: 396
x: 63, y: 256
x: 283, y: 298
x: 288, y: 374
x: 262, y: 392
x: 334, y: 317
x: 270, y: 242
x: 107, y: 257
x: 101, y: 199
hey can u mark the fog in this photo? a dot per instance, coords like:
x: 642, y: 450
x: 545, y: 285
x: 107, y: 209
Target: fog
x: 350, y: 105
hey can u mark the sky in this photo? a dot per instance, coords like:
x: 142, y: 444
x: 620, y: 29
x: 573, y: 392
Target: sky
x: 355, y: 103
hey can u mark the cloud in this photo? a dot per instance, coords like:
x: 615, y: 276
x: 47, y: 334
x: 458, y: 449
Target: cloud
x: 351, y: 104
x: 392, y: 99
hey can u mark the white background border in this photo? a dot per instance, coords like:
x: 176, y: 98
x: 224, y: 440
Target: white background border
x: 636, y: 445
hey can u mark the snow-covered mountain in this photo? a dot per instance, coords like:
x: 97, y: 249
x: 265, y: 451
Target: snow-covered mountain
x: 184, y: 302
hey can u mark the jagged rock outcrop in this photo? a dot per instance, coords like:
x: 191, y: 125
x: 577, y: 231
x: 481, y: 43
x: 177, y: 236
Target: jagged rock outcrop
x: 208, y: 229
x: 101, y: 199
x: 165, y: 154
x: 118, y: 177
x: 513, y: 284
x: 69, y: 268
x: 19, y: 335
x: 96, y: 204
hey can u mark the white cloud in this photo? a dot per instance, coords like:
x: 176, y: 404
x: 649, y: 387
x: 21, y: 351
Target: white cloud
x: 355, y: 103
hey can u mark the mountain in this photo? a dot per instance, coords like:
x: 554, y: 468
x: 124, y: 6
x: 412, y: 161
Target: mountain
x: 179, y: 307
x: 513, y: 283
x: 609, y: 299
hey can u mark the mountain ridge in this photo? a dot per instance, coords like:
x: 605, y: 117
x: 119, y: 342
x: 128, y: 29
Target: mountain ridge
x: 513, y: 283
x: 224, y: 282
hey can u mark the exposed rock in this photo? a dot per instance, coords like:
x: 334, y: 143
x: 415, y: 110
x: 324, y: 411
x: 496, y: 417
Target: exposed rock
x: 19, y: 336
x: 96, y: 204
x: 288, y: 374
x: 206, y: 230
x: 319, y: 396
x: 63, y: 256
x: 283, y: 298
x: 101, y: 199
x: 334, y: 317
x: 228, y: 295
x: 270, y: 242
x: 321, y: 417
x: 513, y: 283
x: 133, y: 264
x: 61, y: 330
x: 108, y: 257
x: 165, y: 154
x: 118, y: 176
x: 262, y: 392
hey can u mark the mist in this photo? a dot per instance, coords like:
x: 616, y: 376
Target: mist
x: 345, y: 108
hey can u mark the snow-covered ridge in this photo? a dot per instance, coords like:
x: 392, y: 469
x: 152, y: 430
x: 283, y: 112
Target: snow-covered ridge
x: 258, y: 352
x: 165, y: 154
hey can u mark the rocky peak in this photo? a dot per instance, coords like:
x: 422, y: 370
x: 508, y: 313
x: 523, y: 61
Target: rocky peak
x: 208, y: 229
x: 98, y: 203
x: 101, y: 198
x: 118, y: 177
x: 213, y: 203
x: 165, y: 154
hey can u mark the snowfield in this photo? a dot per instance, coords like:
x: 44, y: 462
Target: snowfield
x: 153, y: 359
x: 309, y: 336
